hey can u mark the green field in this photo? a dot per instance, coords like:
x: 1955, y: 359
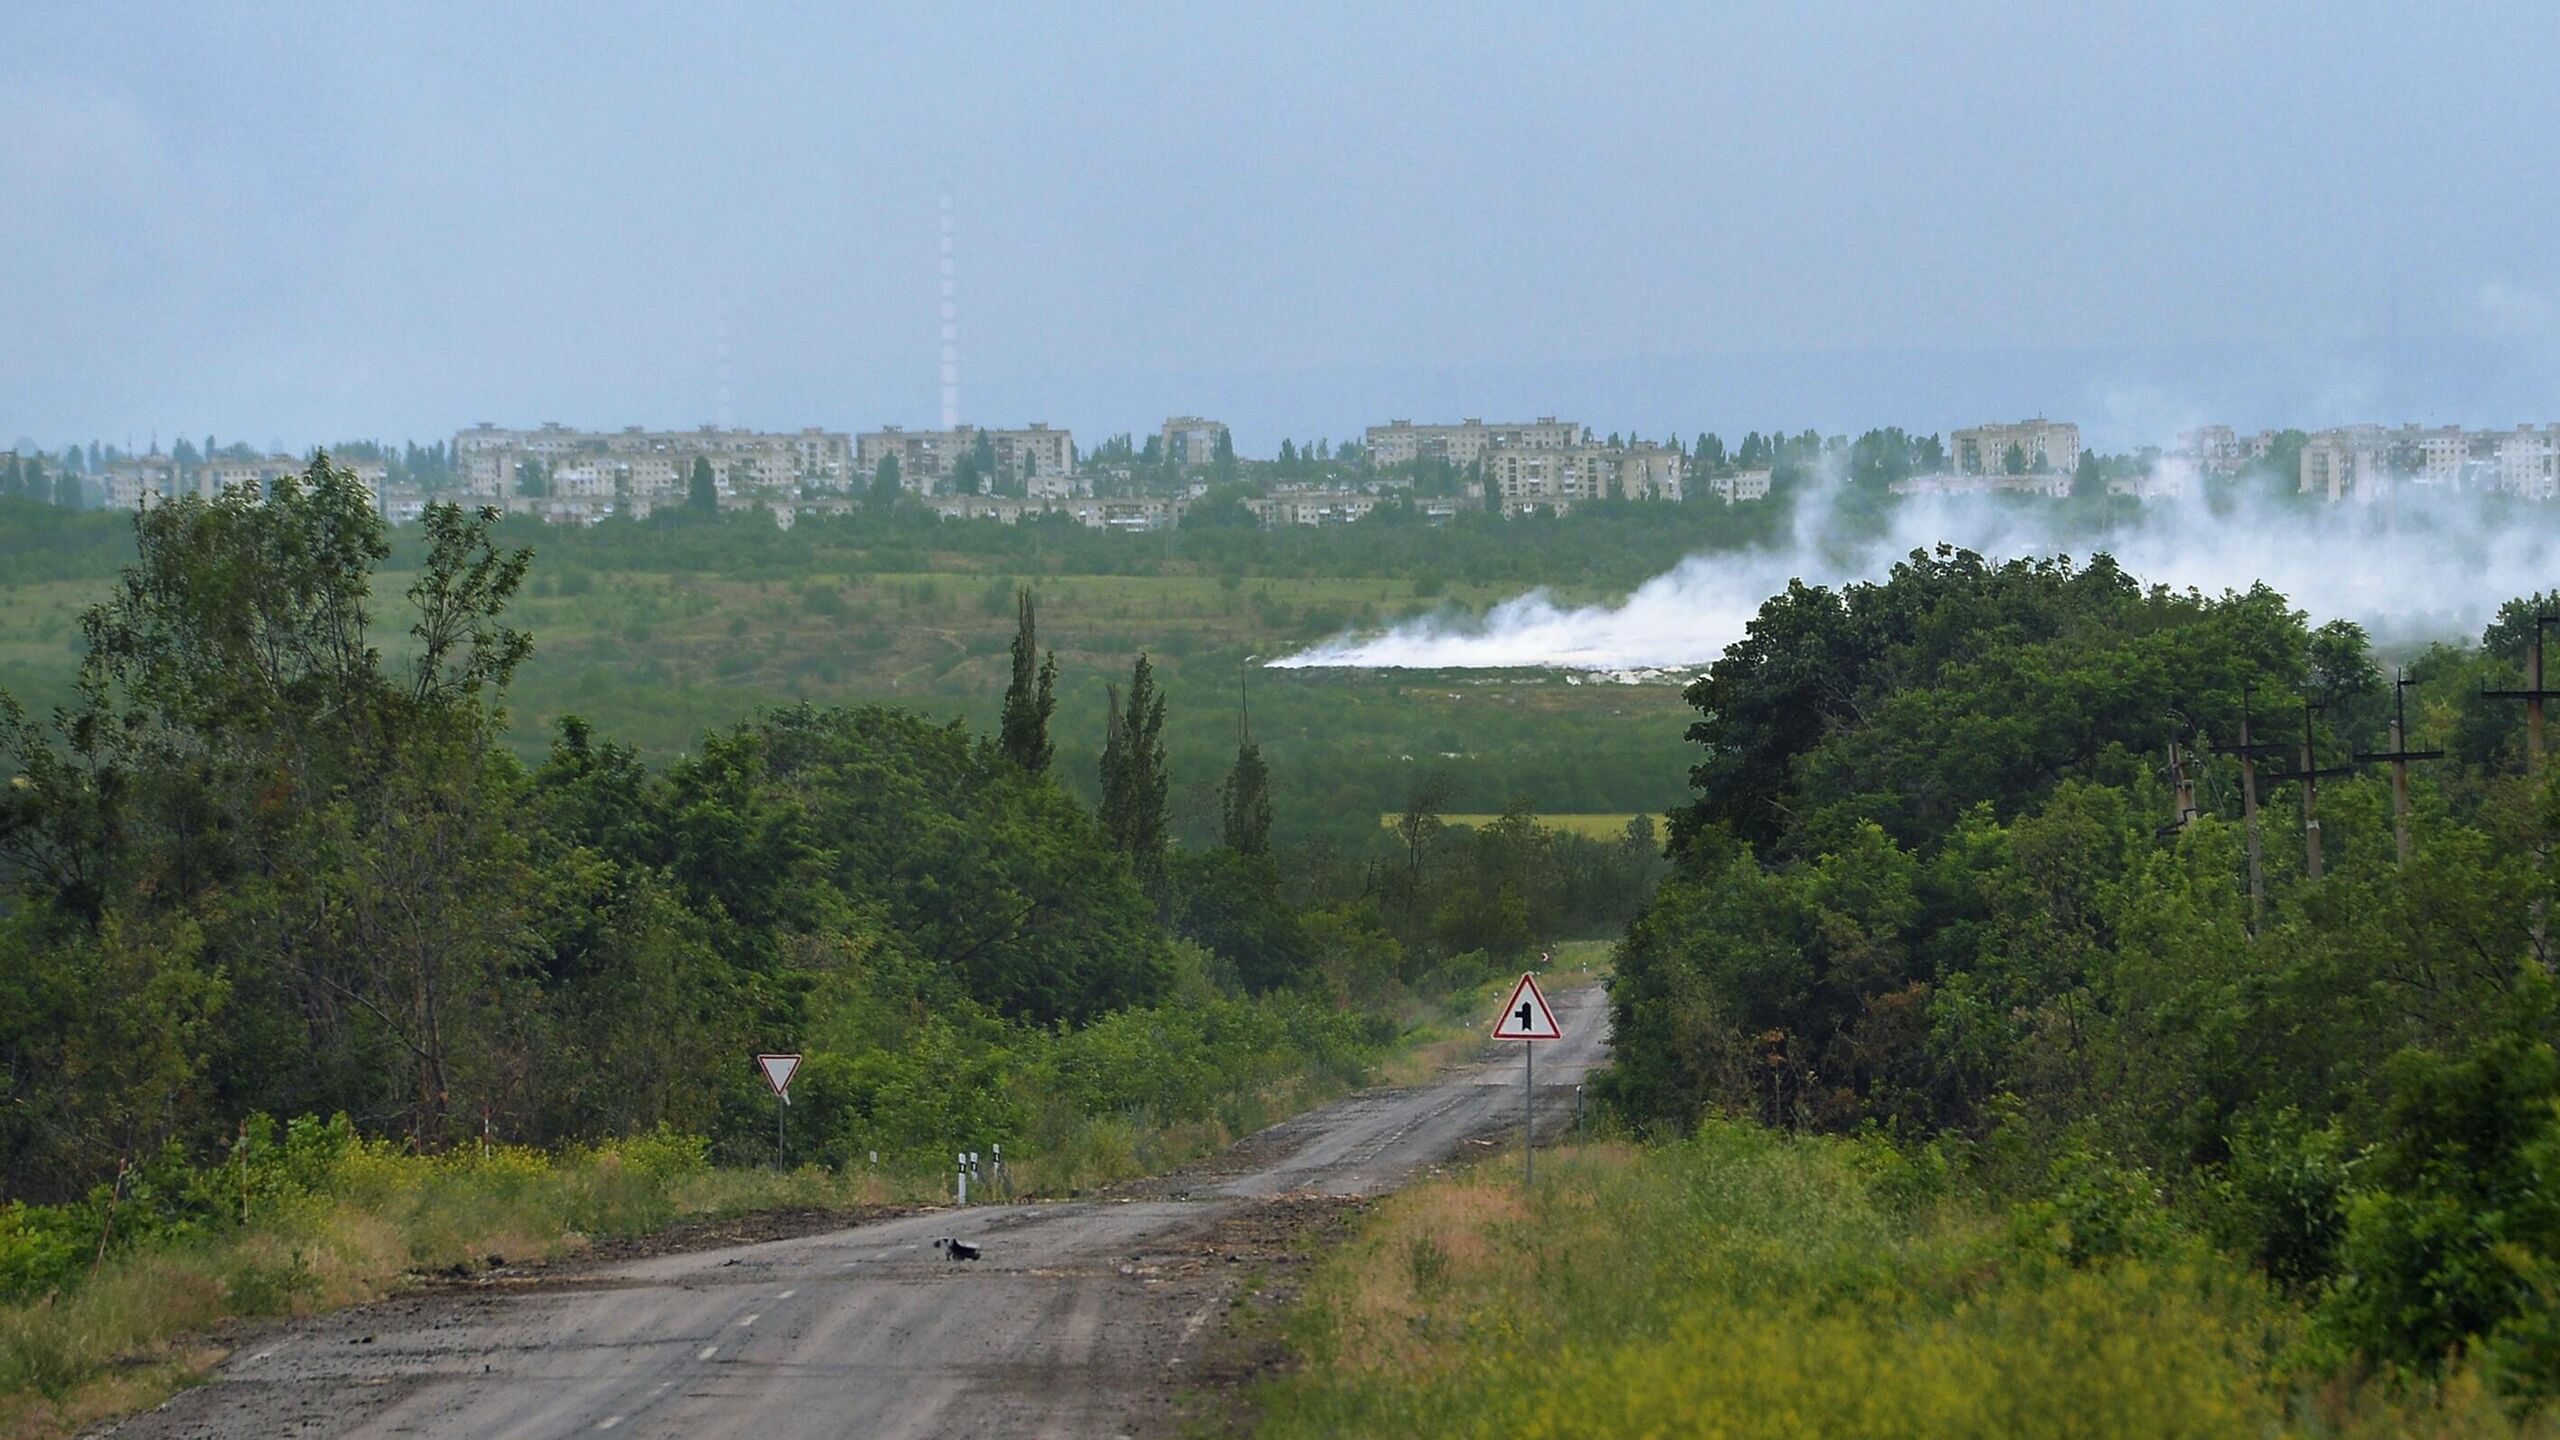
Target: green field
x: 656, y: 658
x: 1598, y: 826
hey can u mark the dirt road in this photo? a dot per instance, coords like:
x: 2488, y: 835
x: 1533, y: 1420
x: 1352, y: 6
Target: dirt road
x: 1077, y: 1322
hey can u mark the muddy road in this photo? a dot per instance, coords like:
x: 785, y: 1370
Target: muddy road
x: 1078, y: 1321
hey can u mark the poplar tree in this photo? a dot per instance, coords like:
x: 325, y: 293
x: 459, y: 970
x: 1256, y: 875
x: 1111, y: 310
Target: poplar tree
x: 1032, y: 696
x: 1244, y: 802
x: 704, y: 493
x: 1133, y: 777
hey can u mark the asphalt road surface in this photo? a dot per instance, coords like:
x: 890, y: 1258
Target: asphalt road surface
x: 1078, y: 1322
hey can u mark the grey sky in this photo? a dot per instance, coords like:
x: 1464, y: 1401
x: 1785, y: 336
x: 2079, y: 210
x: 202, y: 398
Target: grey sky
x: 305, y: 223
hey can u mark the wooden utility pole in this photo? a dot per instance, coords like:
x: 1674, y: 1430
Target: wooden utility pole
x: 2400, y: 756
x: 2532, y: 694
x: 2182, y: 791
x: 2311, y: 774
x: 2249, y: 750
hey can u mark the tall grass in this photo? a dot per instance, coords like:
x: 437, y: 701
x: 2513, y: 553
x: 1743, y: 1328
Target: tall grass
x: 1745, y: 1284
x: 360, y: 1223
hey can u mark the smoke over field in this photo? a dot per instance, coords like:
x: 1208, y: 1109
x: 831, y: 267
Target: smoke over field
x: 2433, y: 564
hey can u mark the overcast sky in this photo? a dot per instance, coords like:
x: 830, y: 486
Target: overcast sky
x: 311, y: 223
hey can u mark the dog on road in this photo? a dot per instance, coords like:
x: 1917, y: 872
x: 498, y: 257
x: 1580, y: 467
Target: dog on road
x: 956, y: 1249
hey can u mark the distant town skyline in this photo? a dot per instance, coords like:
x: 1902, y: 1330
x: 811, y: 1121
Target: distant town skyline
x: 305, y: 222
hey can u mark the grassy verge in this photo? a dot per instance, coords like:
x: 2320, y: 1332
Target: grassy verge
x: 343, y: 1222
x: 1745, y: 1284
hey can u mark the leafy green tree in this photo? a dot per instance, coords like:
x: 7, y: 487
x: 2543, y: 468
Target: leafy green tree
x: 1134, y: 782
x: 1244, y: 802
x: 885, y: 482
x: 237, y: 735
x: 1223, y: 508
x: 2453, y: 1236
x: 702, y: 491
x: 1031, y: 698
x: 1229, y: 902
x: 2013, y: 461
x: 533, y: 478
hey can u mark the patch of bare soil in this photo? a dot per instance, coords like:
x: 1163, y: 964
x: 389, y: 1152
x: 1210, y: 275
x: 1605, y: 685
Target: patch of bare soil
x: 578, y: 1267
x: 1265, y: 1249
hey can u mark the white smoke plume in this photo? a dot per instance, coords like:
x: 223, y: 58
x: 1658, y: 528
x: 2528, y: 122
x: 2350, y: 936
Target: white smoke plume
x: 2429, y: 563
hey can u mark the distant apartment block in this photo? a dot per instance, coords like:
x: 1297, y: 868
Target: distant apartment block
x: 2168, y: 477
x: 1190, y: 440
x: 2052, y: 485
x: 2215, y: 448
x: 2046, y: 446
x: 1313, y: 507
x: 1557, y: 479
x: 2351, y: 462
x: 927, y: 458
x: 634, y: 465
x: 1740, y: 486
x: 140, y: 480
x: 1468, y: 441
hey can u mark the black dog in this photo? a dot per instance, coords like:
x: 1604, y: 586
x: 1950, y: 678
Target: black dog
x: 956, y: 1249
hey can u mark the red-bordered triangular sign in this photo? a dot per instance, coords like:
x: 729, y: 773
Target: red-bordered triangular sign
x: 1527, y: 1016
x: 778, y: 1070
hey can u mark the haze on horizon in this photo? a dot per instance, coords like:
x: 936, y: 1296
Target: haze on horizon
x: 309, y: 223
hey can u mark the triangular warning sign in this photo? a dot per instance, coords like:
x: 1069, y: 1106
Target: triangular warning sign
x: 778, y: 1070
x: 1527, y: 1016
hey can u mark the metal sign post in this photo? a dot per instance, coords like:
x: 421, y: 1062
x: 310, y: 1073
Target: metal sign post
x: 1528, y: 1018
x: 778, y: 1070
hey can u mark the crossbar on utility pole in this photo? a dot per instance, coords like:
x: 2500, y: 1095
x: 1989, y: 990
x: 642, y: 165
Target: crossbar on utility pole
x: 2400, y: 756
x: 2311, y: 774
x: 2249, y: 750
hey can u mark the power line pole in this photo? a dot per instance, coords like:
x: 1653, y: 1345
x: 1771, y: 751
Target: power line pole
x: 2311, y: 774
x: 2532, y: 695
x: 2182, y: 791
x: 2400, y: 756
x: 2249, y: 750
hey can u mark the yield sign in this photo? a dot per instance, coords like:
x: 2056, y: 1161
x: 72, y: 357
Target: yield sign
x: 778, y: 1070
x: 1527, y: 1016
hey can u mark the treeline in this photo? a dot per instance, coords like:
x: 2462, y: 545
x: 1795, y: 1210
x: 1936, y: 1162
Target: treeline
x: 1937, y: 879
x: 272, y: 861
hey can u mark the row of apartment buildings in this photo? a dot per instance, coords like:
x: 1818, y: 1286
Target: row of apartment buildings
x: 2365, y: 462
x: 1544, y: 464
x: 142, y: 480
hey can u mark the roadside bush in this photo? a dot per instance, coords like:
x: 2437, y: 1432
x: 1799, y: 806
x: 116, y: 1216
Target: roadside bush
x: 2452, y: 1241
x: 2281, y: 1198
